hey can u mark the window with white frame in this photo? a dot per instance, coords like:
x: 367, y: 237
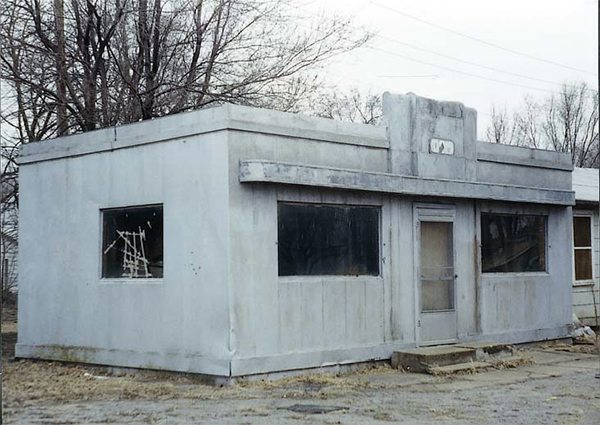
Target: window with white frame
x: 582, y: 247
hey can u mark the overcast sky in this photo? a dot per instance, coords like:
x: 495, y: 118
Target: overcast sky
x: 561, y: 31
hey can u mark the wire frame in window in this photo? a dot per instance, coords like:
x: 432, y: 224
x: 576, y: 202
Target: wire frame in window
x: 513, y: 243
x: 132, y: 242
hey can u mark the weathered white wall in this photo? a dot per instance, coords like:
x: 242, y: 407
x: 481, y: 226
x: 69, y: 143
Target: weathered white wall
x: 275, y: 318
x: 180, y: 322
x: 523, y: 166
x: 521, y: 307
x: 297, y: 322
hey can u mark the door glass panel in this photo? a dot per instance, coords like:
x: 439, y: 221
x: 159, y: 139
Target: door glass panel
x: 437, y: 266
x: 583, y: 264
x: 582, y: 231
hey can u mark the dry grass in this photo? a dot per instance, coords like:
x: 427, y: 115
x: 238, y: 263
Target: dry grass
x: 584, y: 345
x: 9, y: 327
x: 321, y: 386
x: 319, y: 380
x: 28, y: 382
x: 383, y: 416
x: 34, y: 382
x: 256, y: 411
x: 437, y: 371
x: 518, y: 359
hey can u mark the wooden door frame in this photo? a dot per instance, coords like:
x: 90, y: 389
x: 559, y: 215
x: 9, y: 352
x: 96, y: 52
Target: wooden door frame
x: 430, y: 212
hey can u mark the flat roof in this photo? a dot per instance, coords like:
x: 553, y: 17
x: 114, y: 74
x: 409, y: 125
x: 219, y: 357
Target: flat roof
x: 186, y: 124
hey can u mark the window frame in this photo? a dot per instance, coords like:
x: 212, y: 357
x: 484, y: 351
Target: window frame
x: 590, y: 215
x: 125, y: 280
x: 333, y: 277
x: 433, y: 213
x: 528, y: 211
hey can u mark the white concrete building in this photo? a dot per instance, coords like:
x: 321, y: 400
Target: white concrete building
x: 235, y: 241
x: 586, y: 246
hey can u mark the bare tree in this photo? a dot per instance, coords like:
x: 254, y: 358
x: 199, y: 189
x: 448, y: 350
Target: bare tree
x: 8, y: 219
x: 69, y: 66
x: 571, y: 123
x: 501, y: 128
x: 117, y: 61
x: 564, y: 122
x: 352, y: 105
x: 61, y: 65
x: 527, y: 125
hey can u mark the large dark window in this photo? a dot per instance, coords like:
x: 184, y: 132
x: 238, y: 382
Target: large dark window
x: 513, y: 243
x: 328, y: 240
x: 132, y: 242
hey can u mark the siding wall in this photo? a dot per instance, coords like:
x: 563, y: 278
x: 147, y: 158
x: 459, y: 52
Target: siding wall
x: 586, y: 298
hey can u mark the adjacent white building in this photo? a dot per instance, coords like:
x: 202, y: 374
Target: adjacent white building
x: 235, y: 241
x: 586, y: 245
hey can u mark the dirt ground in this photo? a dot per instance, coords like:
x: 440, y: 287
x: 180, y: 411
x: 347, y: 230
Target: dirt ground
x: 558, y: 386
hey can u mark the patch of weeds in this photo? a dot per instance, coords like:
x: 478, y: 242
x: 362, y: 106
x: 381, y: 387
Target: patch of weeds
x: 255, y: 411
x: 521, y: 359
x: 383, y: 416
x: 449, y: 413
x: 580, y: 396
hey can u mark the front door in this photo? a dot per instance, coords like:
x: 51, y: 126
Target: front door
x: 436, y: 278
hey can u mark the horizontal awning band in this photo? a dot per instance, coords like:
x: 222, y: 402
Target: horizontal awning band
x: 305, y: 175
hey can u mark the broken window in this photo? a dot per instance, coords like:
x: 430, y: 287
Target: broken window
x: 132, y: 242
x: 513, y: 243
x: 328, y: 240
x: 582, y: 238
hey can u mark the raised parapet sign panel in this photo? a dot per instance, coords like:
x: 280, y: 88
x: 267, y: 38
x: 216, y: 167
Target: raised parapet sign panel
x: 441, y: 146
x: 430, y: 138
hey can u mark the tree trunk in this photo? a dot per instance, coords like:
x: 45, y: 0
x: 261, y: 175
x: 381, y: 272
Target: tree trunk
x: 61, y: 69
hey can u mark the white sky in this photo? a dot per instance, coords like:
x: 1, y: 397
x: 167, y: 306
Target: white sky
x: 562, y: 31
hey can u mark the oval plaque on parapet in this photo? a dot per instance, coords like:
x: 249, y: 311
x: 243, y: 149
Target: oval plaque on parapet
x: 441, y: 146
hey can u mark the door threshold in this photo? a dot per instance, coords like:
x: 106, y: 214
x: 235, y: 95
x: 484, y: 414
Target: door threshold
x: 441, y: 342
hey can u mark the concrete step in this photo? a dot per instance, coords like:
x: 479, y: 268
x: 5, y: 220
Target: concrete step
x: 453, y: 369
x: 421, y: 359
x: 432, y: 358
x: 489, y: 350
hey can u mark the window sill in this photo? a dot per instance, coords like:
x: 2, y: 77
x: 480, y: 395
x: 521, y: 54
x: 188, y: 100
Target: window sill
x: 516, y: 274
x: 331, y: 278
x: 581, y: 283
x: 131, y: 281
